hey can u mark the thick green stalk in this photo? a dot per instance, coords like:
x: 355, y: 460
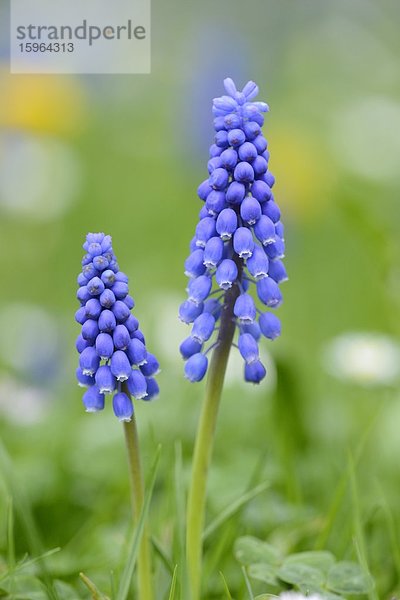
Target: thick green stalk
x: 137, y: 495
x: 204, y: 444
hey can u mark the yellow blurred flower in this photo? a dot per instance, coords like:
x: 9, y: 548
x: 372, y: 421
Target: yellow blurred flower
x: 41, y: 103
x: 303, y: 173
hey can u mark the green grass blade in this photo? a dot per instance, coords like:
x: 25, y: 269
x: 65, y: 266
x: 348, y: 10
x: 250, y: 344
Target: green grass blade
x: 125, y: 582
x: 168, y: 564
x: 96, y: 594
x: 226, y: 588
x: 233, y: 508
x: 173, y: 584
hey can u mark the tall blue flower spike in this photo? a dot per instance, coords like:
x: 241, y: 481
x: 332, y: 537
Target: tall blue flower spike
x: 113, y: 358
x: 238, y: 241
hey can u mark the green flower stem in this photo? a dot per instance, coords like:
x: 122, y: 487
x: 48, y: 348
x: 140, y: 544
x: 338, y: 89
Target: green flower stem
x: 137, y: 495
x: 204, y: 444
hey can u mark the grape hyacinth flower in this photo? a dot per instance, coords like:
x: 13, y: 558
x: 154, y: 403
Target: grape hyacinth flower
x: 238, y: 244
x: 237, y: 248
x: 113, y: 358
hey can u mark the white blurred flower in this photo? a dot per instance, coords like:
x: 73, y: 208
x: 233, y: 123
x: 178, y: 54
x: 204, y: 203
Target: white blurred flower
x: 22, y: 404
x: 39, y: 177
x: 364, y: 358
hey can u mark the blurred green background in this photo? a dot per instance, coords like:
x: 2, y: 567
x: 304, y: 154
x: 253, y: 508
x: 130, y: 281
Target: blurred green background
x: 124, y: 155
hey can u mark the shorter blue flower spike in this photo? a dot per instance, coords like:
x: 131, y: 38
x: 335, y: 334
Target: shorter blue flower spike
x: 270, y: 325
x: 111, y: 346
x: 93, y: 400
x: 196, y: 367
x: 123, y: 407
x: 239, y: 238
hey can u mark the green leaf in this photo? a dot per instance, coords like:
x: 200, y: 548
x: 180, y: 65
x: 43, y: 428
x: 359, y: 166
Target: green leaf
x: 249, y: 550
x: 319, y: 559
x: 349, y: 578
x: 263, y: 572
x: 299, y: 574
x: 265, y: 597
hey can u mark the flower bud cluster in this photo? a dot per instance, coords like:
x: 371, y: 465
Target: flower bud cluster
x: 239, y: 239
x: 112, y: 349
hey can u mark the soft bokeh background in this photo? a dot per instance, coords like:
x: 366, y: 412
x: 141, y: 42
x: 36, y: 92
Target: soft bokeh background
x: 124, y: 155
